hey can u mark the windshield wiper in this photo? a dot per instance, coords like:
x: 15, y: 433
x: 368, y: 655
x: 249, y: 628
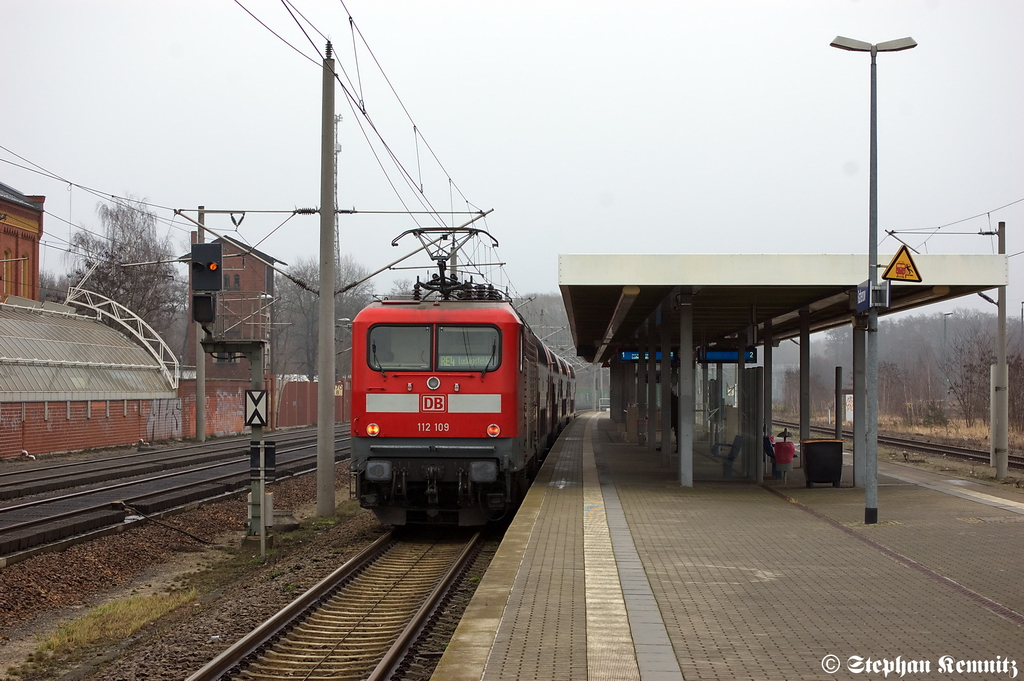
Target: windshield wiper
x: 373, y: 349
x: 494, y: 353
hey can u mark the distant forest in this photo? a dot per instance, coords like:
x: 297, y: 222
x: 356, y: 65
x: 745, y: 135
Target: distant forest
x: 933, y: 370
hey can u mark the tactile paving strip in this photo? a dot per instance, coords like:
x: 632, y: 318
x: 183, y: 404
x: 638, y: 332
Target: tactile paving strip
x: 542, y: 635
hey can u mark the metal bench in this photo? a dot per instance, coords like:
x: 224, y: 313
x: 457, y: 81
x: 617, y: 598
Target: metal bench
x: 727, y: 452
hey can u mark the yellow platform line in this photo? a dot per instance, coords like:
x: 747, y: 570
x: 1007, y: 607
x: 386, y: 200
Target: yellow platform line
x: 610, y: 651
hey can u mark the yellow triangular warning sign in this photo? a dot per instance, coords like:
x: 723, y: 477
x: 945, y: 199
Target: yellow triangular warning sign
x: 902, y: 267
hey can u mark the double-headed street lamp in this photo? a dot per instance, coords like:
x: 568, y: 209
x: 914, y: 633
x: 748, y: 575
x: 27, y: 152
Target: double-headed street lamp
x: 871, y: 342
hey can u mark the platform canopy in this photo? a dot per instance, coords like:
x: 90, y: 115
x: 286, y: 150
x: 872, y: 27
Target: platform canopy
x: 610, y: 297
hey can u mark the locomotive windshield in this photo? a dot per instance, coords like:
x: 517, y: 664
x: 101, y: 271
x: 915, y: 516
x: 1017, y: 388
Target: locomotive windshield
x: 468, y: 348
x: 392, y: 348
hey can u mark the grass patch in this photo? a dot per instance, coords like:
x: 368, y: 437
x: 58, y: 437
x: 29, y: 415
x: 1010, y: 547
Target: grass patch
x: 104, y: 626
x: 347, y: 509
x: 322, y: 524
x: 114, y: 621
x: 310, y: 527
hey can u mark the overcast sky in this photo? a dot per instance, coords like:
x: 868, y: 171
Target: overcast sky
x: 589, y: 127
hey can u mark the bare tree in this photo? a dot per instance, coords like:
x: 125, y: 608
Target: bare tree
x: 154, y: 292
x: 892, y: 390
x: 53, y: 287
x: 400, y: 287
x: 545, y: 313
x: 1015, y: 366
x: 972, y: 352
x: 347, y: 305
x: 298, y: 310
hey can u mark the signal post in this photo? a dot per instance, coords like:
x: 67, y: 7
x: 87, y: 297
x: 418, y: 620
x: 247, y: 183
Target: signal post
x: 206, y: 281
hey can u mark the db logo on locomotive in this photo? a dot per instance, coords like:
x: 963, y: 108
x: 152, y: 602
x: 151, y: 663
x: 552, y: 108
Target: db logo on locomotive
x: 432, y: 403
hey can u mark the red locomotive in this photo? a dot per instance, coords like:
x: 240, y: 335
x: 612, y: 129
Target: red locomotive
x: 454, y: 404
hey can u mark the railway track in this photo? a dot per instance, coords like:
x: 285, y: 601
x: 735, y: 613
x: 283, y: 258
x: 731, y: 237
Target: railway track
x: 916, y: 445
x: 65, y: 518
x: 359, y: 621
x: 27, y: 481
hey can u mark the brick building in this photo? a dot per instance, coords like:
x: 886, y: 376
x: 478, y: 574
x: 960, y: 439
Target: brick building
x: 94, y: 375
x: 21, y: 227
x: 244, y: 307
x: 243, y: 312
x: 68, y: 381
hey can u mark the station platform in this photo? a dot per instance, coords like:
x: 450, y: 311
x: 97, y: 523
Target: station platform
x: 611, y: 570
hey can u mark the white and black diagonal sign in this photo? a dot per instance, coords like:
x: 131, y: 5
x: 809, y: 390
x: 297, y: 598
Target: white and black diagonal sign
x: 256, y: 407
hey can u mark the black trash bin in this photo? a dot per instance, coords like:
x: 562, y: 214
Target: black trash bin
x: 823, y: 461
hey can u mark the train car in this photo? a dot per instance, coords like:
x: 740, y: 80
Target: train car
x: 454, y: 405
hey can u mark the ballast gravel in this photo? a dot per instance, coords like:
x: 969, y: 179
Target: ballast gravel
x: 36, y: 595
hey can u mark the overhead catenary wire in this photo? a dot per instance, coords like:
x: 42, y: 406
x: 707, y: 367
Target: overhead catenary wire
x: 72, y: 247
x: 355, y: 57
x: 357, y: 103
x: 38, y: 169
x: 279, y: 36
x: 395, y: 92
x: 77, y: 248
x: 359, y: 107
x: 919, y: 230
x: 933, y: 231
x: 353, y: 92
x: 290, y: 7
x: 356, y: 100
x: 355, y: 97
x: 110, y: 198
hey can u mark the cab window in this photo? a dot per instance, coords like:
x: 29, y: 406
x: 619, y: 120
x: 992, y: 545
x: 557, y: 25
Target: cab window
x: 468, y: 348
x: 399, y: 347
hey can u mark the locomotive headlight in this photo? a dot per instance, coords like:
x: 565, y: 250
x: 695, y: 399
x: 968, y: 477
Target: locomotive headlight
x: 483, y: 471
x: 493, y: 430
x: 372, y: 429
x: 378, y: 471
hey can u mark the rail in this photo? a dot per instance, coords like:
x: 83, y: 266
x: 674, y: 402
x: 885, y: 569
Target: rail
x: 28, y: 527
x: 922, y: 446
x: 343, y: 626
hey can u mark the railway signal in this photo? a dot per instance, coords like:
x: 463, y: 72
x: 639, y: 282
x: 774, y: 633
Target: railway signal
x: 206, y: 278
x: 206, y: 260
x: 204, y: 308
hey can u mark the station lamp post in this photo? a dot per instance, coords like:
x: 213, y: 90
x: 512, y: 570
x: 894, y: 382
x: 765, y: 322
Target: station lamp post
x: 871, y: 342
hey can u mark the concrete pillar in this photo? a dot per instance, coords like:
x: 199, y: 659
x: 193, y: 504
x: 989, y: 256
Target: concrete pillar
x: 667, y: 447
x: 719, y: 430
x: 757, y: 400
x: 839, y: 403
x: 641, y: 390
x: 652, y: 386
x: 628, y: 385
x: 999, y: 423
x: 616, y: 391
x: 686, y: 391
x: 805, y: 374
x: 746, y: 427
x: 768, y: 387
x: 705, y: 397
